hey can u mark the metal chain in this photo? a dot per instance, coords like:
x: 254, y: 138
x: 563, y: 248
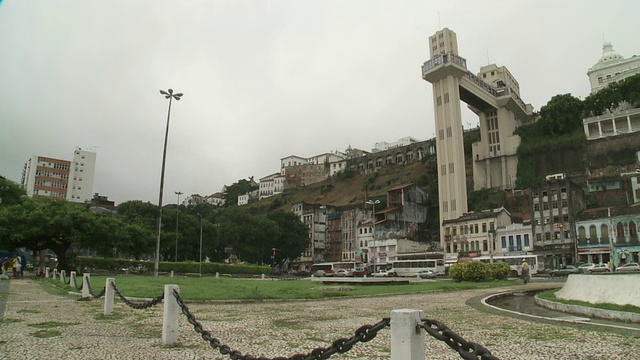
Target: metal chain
x: 73, y: 275
x: 141, y: 305
x: 363, y: 334
x: 467, y: 350
x: 91, y: 291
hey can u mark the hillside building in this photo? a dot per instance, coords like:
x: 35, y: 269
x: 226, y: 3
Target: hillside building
x: 612, y: 67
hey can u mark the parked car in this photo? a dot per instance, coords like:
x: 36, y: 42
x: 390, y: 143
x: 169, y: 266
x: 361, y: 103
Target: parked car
x: 628, y: 267
x: 566, y: 271
x: 384, y: 273
x: 585, y: 268
x: 600, y: 268
x: 343, y: 273
x: 427, y: 274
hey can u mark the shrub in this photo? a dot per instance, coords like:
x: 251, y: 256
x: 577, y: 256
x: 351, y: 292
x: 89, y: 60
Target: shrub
x: 477, y: 271
x: 498, y: 270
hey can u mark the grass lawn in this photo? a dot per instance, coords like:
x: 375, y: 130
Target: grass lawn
x: 209, y: 288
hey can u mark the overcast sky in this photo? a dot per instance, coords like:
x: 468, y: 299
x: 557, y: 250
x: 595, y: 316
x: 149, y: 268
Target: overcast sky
x: 262, y: 80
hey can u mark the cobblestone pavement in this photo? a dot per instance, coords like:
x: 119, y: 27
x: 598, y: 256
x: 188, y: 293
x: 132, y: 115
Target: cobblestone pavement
x: 38, y: 325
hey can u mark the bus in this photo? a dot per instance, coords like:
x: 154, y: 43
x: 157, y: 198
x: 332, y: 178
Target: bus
x: 412, y: 267
x: 329, y: 268
x: 514, y: 262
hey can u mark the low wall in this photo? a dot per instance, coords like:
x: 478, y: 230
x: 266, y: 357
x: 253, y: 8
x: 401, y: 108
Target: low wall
x: 619, y: 289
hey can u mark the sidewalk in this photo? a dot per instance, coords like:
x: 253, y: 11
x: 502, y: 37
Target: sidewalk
x: 38, y: 325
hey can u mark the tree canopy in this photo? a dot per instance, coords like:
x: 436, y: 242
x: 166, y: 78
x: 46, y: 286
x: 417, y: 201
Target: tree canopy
x: 561, y: 115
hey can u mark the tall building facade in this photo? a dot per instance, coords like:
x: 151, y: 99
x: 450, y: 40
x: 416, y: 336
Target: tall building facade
x: 494, y: 95
x: 61, y: 179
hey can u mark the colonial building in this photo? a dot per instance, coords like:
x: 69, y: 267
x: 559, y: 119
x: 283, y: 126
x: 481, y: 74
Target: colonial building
x: 271, y: 185
x: 474, y: 233
x: 612, y: 67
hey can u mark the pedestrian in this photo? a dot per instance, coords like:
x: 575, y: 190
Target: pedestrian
x: 15, y: 269
x: 18, y: 266
x: 6, y: 265
x: 23, y: 265
x: 525, y: 271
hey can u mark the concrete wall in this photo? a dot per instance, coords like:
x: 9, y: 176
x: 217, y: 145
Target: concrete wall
x: 620, y: 289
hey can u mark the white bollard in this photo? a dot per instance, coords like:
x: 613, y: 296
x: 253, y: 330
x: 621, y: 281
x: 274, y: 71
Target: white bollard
x: 109, y: 293
x: 262, y: 276
x: 72, y: 281
x: 171, y: 273
x: 217, y: 275
x: 63, y: 276
x: 46, y: 272
x: 55, y: 274
x: 170, y: 326
x: 406, y: 342
x: 85, y: 285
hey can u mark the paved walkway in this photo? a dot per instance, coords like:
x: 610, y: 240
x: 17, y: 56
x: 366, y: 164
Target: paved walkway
x: 38, y: 325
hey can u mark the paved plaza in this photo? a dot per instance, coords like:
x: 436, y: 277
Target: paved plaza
x: 38, y: 325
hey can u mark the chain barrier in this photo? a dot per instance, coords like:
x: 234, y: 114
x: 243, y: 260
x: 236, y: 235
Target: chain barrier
x: 140, y: 305
x: 75, y: 282
x: 91, y: 291
x: 363, y: 334
x: 467, y: 350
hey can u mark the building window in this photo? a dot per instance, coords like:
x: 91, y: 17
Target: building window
x: 526, y: 240
x: 439, y: 100
x: 446, y: 98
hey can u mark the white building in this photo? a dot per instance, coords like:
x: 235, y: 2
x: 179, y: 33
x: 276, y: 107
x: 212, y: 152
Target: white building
x: 384, y: 146
x: 514, y: 239
x: 270, y: 185
x: 612, y: 67
x: 289, y: 161
x: 62, y: 179
x: 81, y: 175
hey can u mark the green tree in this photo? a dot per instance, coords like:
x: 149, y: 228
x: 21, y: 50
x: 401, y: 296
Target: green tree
x: 236, y: 189
x: 47, y: 223
x: 561, y: 115
x: 10, y: 192
x: 250, y: 236
x: 294, y: 235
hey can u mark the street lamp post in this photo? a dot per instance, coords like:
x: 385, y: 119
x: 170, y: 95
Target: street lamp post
x: 200, y: 217
x: 177, y: 218
x: 168, y: 95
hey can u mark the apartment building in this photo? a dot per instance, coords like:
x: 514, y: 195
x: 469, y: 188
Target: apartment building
x: 555, y: 204
x: 61, y: 179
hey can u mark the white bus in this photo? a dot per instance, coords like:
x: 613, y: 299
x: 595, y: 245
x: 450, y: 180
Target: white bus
x: 412, y: 267
x: 514, y: 261
x: 329, y: 268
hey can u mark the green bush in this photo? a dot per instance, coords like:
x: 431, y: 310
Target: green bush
x: 455, y: 271
x: 477, y: 271
x: 498, y: 270
x: 146, y: 266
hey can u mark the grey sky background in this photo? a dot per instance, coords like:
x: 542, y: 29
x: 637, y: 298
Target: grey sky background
x: 262, y: 79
